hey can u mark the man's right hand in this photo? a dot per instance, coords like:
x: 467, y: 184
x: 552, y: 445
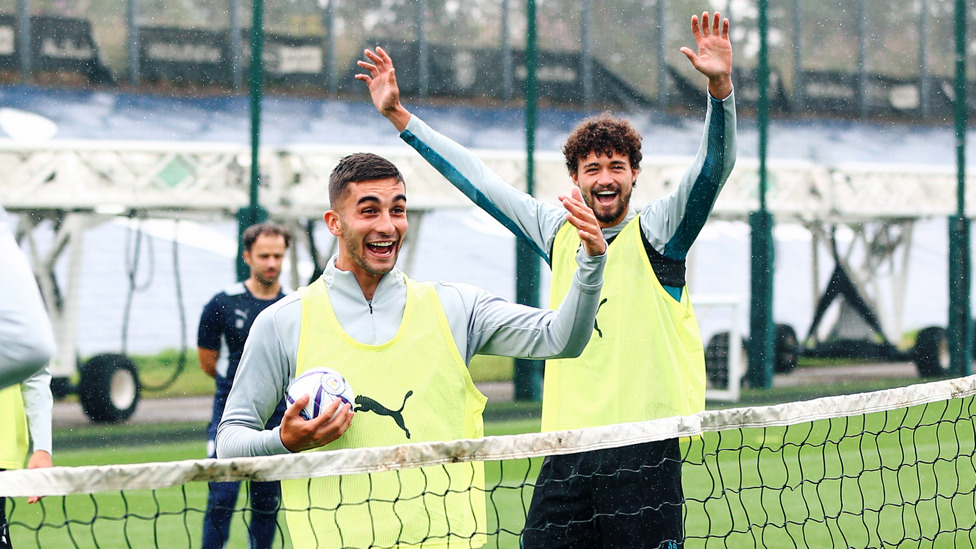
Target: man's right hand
x: 582, y: 217
x: 383, y: 87
x: 299, y: 434
x: 208, y: 361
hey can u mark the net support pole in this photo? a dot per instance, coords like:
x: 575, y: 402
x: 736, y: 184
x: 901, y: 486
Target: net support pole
x: 761, y: 326
x: 253, y: 213
x: 959, y: 333
x: 527, y: 377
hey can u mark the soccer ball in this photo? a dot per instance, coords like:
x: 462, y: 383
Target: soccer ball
x: 323, y: 385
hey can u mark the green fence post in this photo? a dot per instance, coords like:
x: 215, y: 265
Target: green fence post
x: 253, y: 213
x: 761, y: 326
x: 959, y: 332
x: 527, y: 377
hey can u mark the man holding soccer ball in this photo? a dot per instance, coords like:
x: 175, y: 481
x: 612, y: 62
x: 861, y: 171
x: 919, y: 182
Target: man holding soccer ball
x: 648, y: 348
x: 404, y: 348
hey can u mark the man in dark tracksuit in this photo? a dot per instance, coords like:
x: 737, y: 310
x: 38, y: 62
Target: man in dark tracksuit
x: 225, y: 323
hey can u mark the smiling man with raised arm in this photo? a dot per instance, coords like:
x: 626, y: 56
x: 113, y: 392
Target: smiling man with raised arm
x: 404, y: 347
x: 648, y: 351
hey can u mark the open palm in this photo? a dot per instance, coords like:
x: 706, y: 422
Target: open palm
x: 714, y: 55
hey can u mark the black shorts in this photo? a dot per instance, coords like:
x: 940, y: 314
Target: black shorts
x: 621, y: 497
x: 4, y: 529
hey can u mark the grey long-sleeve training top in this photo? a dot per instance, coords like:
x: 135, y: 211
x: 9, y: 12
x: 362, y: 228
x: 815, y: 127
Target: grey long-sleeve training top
x: 26, y: 338
x: 481, y: 323
x: 39, y: 406
x: 669, y: 224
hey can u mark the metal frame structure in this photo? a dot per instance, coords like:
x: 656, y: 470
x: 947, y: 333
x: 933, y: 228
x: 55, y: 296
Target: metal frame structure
x: 77, y: 184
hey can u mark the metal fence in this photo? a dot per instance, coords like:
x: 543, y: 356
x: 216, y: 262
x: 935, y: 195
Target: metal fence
x: 852, y: 57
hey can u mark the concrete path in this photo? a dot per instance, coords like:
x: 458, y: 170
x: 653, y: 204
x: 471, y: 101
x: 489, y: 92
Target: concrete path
x: 197, y: 409
x: 842, y: 374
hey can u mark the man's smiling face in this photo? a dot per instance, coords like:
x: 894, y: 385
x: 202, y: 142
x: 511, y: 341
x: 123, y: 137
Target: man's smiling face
x: 370, y: 221
x: 606, y: 183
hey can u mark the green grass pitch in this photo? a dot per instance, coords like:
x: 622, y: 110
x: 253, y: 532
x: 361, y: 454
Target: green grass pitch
x: 898, y: 479
x: 905, y: 478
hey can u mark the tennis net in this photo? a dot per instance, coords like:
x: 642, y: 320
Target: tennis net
x: 882, y: 469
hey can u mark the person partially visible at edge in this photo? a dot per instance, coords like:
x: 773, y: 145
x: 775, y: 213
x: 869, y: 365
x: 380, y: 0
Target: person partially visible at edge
x: 25, y: 430
x: 646, y: 349
x: 224, y: 325
x: 404, y: 346
x: 26, y: 337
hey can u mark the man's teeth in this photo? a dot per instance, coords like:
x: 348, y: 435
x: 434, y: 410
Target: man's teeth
x: 606, y: 193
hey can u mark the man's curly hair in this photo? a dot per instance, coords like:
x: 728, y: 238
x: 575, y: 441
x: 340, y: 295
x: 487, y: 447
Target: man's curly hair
x: 604, y: 135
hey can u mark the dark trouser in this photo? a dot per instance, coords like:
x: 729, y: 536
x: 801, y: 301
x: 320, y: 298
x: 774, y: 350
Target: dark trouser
x: 264, y: 501
x: 4, y: 528
x: 265, y: 497
x: 621, y: 497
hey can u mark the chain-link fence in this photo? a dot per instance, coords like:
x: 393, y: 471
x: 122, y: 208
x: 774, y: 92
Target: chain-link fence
x: 859, y: 57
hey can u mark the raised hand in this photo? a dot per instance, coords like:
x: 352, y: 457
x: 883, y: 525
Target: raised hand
x: 383, y: 87
x: 714, y: 56
x: 582, y: 217
x: 298, y: 434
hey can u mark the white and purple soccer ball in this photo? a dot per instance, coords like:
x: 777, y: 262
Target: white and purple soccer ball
x: 323, y: 385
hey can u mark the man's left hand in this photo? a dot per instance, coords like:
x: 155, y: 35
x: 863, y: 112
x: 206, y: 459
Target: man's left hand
x: 38, y: 460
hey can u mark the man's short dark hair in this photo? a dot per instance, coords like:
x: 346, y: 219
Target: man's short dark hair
x: 270, y: 228
x: 360, y: 167
x: 604, y: 135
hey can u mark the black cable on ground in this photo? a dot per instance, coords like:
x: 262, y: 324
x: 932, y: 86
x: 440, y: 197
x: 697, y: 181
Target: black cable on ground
x: 132, y: 257
x: 184, y: 347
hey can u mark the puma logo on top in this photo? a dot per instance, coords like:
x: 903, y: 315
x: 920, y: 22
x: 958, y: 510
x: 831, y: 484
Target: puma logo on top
x: 596, y: 321
x: 241, y: 317
x: 366, y: 404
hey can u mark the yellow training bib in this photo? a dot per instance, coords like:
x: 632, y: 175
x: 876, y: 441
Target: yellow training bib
x: 645, y: 358
x: 413, y: 388
x: 14, y: 441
